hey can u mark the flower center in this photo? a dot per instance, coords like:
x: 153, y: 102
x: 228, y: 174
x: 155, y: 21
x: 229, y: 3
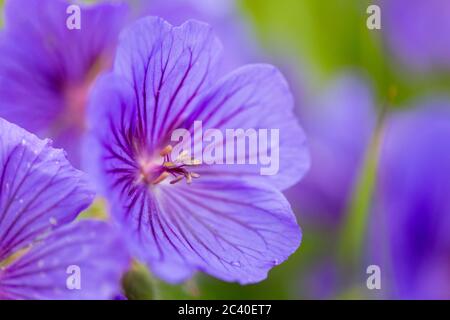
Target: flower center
x: 76, y: 97
x: 178, y: 169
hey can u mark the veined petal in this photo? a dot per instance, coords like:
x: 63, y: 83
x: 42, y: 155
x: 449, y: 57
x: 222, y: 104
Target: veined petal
x: 233, y: 30
x: 115, y: 136
x: 83, y: 260
x: 40, y: 190
x: 254, y: 97
x: 231, y: 230
x: 167, y: 67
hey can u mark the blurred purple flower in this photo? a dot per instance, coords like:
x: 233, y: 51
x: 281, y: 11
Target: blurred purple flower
x: 339, y: 126
x: 412, y: 215
x: 46, y: 70
x: 231, y: 222
x: 417, y: 31
x: 40, y: 194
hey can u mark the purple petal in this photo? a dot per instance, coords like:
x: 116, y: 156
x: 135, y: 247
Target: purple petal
x: 412, y: 215
x: 40, y: 190
x: 91, y: 250
x: 46, y: 69
x: 167, y: 67
x: 229, y: 229
x: 339, y: 125
x: 254, y: 97
x: 223, y: 15
x: 417, y: 32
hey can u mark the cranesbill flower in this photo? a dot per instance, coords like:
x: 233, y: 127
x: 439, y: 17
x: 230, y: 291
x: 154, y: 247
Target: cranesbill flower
x: 412, y: 212
x: 40, y: 193
x: 339, y: 125
x: 417, y: 31
x: 180, y: 215
x: 46, y: 70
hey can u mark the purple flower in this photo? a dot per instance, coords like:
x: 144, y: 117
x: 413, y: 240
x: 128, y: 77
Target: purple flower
x: 339, y: 126
x: 412, y: 212
x: 40, y: 194
x: 46, y: 70
x: 417, y: 31
x: 230, y: 222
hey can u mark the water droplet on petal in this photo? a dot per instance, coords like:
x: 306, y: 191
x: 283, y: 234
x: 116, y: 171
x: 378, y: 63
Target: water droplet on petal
x: 236, y: 263
x: 275, y: 262
x: 53, y: 221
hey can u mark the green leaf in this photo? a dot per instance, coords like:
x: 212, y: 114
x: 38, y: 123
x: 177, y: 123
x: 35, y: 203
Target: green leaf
x: 138, y: 283
x: 96, y: 211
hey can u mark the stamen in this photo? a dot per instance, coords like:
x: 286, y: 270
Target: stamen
x: 168, y: 164
x: 177, y: 179
x: 164, y: 152
x: 178, y: 168
x: 163, y: 176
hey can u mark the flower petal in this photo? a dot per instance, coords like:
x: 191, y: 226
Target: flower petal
x: 339, y: 126
x: 233, y: 30
x: 254, y: 97
x: 232, y: 230
x: 40, y: 190
x: 167, y: 67
x: 411, y: 217
x: 416, y: 32
x: 91, y: 250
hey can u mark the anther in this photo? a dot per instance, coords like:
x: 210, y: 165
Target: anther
x: 164, y: 152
